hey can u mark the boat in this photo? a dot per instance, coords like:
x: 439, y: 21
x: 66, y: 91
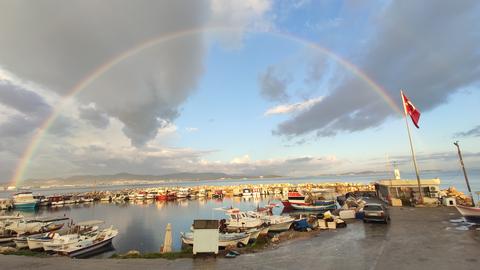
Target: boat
x: 224, y: 239
x: 315, y: 207
x: 471, y: 214
x: 56, y: 201
x: 294, y: 197
x: 24, y: 200
x: 80, y: 231
x: 279, y: 223
x: 241, y: 221
x: 246, y: 192
x: 276, y: 223
x: 90, y: 245
x: 182, y: 193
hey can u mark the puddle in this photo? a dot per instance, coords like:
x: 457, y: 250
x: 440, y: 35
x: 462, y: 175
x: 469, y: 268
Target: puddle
x: 460, y: 224
x: 458, y: 220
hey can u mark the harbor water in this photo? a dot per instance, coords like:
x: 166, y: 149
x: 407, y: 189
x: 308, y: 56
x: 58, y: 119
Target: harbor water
x: 141, y: 224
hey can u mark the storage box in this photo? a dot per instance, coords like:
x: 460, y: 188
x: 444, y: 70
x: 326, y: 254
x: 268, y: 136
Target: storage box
x: 332, y: 225
x: 347, y: 214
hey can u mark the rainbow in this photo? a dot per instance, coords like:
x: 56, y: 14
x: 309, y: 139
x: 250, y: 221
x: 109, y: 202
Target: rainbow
x: 27, y: 155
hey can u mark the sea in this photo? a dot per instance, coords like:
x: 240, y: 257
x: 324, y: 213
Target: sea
x: 142, y: 225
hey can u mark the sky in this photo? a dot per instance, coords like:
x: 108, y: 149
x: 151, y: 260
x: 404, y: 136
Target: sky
x: 251, y: 87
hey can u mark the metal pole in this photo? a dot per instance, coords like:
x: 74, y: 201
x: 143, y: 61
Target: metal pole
x: 411, y: 148
x: 464, y: 171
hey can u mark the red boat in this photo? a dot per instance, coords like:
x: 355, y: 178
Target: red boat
x: 161, y: 197
x: 294, y: 197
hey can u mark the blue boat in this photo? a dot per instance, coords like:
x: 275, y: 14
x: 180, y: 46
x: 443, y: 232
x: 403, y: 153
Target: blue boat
x: 24, y: 200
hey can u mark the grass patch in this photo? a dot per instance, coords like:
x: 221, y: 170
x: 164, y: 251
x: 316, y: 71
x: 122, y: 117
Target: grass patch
x: 186, y: 253
x: 26, y: 252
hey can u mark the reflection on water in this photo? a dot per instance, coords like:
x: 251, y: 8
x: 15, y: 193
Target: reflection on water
x: 141, y: 224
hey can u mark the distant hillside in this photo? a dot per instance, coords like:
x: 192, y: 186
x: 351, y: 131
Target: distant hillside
x: 107, y: 178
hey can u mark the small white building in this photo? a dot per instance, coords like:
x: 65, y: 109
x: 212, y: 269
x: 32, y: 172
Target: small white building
x: 205, y: 236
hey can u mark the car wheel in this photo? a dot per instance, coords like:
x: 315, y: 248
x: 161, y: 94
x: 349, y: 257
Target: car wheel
x: 365, y: 221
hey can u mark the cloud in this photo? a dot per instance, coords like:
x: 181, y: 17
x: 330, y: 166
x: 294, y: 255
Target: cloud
x: 474, y: 132
x: 29, y: 110
x: 428, y: 48
x: 241, y: 160
x: 54, y: 44
x: 94, y: 116
x: 23, y: 100
x: 292, y: 108
x: 239, y: 14
x: 272, y: 86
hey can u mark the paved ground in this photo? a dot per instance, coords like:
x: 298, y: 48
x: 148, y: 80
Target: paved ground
x: 417, y: 238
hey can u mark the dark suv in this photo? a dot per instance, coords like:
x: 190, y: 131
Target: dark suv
x: 376, y: 212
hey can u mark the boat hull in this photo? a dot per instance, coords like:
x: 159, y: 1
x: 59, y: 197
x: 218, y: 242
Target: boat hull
x: 25, y: 205
x: 471, y: 214
x: 280, y: 227
x: 314, y: 207
x: 89, y: 250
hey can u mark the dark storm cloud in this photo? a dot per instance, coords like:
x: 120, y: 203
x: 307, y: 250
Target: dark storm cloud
x: 428, y: 48
x: 31, y: 109
x: 474, y: 132
x: 57, y: 43
x: 94, y: 116
x: 272, y: 86
x: 23, y: 100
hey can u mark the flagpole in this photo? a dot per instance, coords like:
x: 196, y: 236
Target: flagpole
x: 411, y: 148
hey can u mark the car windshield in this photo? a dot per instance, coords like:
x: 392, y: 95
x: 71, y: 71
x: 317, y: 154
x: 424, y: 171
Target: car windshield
x: 373, y: 208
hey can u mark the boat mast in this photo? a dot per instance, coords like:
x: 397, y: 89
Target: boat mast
x: 464, y: 171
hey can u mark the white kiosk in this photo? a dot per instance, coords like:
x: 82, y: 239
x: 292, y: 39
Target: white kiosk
x: 205, y: 236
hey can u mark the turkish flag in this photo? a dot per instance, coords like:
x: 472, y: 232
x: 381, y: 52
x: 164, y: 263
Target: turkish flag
x: 411, y: 110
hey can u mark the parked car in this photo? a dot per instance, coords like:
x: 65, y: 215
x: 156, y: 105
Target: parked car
x: 376, y: 212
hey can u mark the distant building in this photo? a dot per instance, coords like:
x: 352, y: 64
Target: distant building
x: 405, y: 190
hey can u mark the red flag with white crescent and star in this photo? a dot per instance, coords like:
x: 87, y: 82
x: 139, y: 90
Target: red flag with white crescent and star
x: 411, y: 110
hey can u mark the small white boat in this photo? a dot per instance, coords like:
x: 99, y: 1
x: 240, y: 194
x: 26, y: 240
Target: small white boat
x: 79, y: 231
x: 224, y: 239
x: 90, y: 245
x: 277, y: 223
x: 241, y: 221
x: 471, y: 214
